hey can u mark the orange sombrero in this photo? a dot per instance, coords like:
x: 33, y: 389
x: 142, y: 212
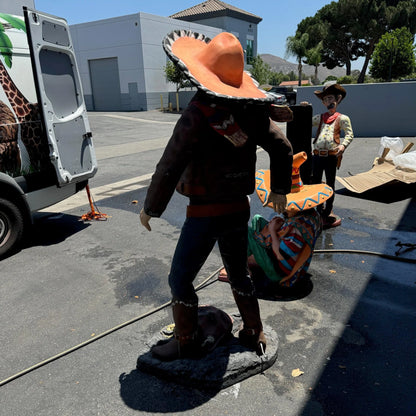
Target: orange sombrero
x: 301, y: 196
x: 215, y: 66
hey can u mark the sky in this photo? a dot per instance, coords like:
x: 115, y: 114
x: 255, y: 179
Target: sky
x: 280, y: 18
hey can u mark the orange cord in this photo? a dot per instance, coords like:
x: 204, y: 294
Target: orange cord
x: 93, y: 214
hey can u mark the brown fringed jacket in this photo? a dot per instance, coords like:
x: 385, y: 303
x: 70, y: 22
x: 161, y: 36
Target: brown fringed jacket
x: 202, y: 162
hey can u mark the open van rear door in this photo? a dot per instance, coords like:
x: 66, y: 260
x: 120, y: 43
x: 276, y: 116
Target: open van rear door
x: 60, y: 97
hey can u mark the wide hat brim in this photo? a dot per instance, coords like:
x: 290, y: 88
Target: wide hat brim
x: 334, y: 89
x: 187, y: 50
x: 309, y: 196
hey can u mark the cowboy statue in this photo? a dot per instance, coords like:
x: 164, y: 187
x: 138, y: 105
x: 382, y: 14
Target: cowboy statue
x: 211, y: 158
x: 327, y: 145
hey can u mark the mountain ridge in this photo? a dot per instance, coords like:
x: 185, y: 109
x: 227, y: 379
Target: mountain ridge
x: 281, y: 65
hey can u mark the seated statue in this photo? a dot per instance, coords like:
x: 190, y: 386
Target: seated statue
x: 280, y: 250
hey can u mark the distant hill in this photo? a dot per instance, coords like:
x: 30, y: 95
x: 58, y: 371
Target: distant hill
x: 280, y: 65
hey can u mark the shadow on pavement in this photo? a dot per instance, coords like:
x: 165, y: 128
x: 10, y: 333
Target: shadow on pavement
x: 49, y: 229
x: 147, y: 393
x: 266, y: 290
x: 52, y: 228
x: 387, y: 194
x: 179, y: 385
x: 371, y: 369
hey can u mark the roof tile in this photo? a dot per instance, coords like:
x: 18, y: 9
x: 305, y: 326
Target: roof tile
x: 211, y: 8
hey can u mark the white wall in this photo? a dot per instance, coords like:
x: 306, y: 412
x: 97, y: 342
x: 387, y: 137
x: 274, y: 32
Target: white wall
x: 154, y: 29
x: 382, y: 109
x: 117, y: 37
x: 241, y: 28
x: 136, y: 41
x: 15, y: 6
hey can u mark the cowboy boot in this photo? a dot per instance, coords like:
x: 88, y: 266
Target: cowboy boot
x: 184, y: 343
x: 251, y: 335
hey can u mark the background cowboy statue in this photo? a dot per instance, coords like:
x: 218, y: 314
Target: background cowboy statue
x: 327, y: 145
x: 211, y: 158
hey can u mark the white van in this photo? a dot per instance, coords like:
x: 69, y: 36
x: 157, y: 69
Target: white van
x: 46, y: 149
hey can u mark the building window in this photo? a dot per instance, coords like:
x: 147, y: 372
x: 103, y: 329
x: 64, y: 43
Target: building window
x: 249, y: 51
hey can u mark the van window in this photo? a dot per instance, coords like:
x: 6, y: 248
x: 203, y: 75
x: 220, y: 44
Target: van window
x: 59, y: 82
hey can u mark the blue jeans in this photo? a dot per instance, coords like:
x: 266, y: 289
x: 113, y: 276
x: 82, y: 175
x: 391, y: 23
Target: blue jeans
x: 197, y: 239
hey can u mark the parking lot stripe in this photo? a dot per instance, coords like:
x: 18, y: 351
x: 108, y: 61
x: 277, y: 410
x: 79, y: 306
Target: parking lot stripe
x: 101, y: 192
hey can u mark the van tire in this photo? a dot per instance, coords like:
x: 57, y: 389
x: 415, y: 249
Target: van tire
x: 11, y: 226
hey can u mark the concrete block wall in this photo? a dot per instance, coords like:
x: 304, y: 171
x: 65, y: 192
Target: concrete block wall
x: 376, y: 110
x: 382, y: 109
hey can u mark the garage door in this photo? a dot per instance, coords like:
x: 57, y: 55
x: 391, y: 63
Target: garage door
x: 105, y: 84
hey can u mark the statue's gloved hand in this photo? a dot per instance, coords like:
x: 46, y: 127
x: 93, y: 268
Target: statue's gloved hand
x: 144, y: 219
x: 278, y: 202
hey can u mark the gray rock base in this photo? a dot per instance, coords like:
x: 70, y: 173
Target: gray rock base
x: 228, y: 364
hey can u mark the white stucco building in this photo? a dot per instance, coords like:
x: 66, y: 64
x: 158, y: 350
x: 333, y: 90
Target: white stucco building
x: 122, y: 61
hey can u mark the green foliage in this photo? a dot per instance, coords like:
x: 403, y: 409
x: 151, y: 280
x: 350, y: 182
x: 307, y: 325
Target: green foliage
x: 369, y: 80
x: 351, y: 28
x: 176, y: 76
x: 394, y: 55
x: 330, y: 78
x: 314, y: 57
x: 292, y: 76
x: 278, y: 77
x: 6, y: 47
x: 316, y: 29
x: 346, y: 79
x: 297, y: 46
x: 411, y: 76
x: 15, y: 22
x: 260, y: 70
x: 332, y: 27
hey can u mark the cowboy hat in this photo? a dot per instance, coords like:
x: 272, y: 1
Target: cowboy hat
x: 215, y: 66
x: 301, y: 197
x: 331, y: 88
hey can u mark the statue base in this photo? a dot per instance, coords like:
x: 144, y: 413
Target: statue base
x: 227, y: 364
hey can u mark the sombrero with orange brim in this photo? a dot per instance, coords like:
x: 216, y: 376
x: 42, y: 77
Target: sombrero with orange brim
x: 214, y: 66
x: 301, y: 197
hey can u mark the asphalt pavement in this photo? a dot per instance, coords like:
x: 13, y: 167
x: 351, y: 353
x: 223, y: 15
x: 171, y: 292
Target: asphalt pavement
x: 81, y: 299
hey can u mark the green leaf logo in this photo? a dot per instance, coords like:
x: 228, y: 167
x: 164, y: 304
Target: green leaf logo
x: 6, y: 46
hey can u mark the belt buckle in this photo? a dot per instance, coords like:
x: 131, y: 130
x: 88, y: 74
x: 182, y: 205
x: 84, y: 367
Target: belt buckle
x: 323, y: 152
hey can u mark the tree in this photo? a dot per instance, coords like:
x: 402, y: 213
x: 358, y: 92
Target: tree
x: 332, y: 28
x: 313, y: 57
x: 277, y: 78
x: 351, y: 28
x: 176, y: 76
x: 375, y: 18
x: 394, y: 55
x: 297, y: 46
x: 260, y: 70
x: 330, y: 78
x: 340, y: 46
